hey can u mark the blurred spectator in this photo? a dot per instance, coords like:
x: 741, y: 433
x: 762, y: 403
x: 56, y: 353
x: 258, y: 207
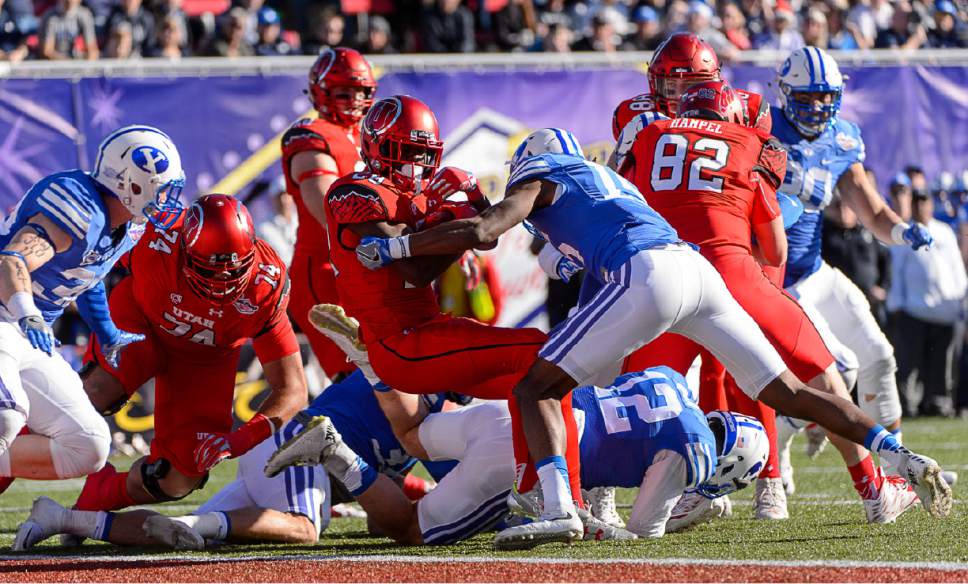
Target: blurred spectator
x: 67, y: 32
x: 861, y: 21
x: 270, y: 28
x: 553, y: 13
x: 558, y: 39
x: 904, y: 32
x: 13, y: 32
x: 815, y: 31
x: 447, y: 27
x: 603, y: 38
x: 927, y: 299
x: 279, y: 230
x: 919, y: 181
x: 326, y: 30
x: 169, y: 44
x: 171, y: 10
x: 379, y: 37
x: 781, y: 34
x: 734, y: 26
x: 648, y: 34
x: 947, y: 205
x: 700, y: 23
x: 231, y: 41
x: 252, y: 9
x: 136, y: 22
x: 514, y: 25
x: 948, y: 31
x: 676, y: 15
x: 120, y: 42
x: 844, y: 34
x: 901, y: 196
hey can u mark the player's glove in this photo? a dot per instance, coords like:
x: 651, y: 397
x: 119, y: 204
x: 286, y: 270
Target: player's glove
x: 214, y: 448
x: 917, y: 236
x: 376, y: 252
x: 556, y: 265
x: 470, y: 265
x: 112, y: 350
x: 38, y: 333
x: 450, y: 180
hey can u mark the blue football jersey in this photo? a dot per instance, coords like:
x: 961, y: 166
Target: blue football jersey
x: 628, y: 423
x: 598, y: 218
x: 353, y: 408
x: 74, y: 202
x: 813, y: 169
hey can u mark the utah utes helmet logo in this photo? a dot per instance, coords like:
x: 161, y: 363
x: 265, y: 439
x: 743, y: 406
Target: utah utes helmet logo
x: 193, y: 225
x: 150, y: 159
x: 382, y: 116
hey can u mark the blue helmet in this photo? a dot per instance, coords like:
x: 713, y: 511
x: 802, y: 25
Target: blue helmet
x: 547, y: 140
x: 742, y: 449
x: 809, y: 70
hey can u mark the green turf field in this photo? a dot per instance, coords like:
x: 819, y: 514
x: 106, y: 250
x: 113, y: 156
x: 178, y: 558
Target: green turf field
x: 827, y: 520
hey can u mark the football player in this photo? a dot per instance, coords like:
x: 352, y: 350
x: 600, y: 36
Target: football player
x: 316, y: 152
x: 56, y: 246
x: 412, y: 347
x: 198, y: 291
x: 652, y: 283
x: 826, y: 155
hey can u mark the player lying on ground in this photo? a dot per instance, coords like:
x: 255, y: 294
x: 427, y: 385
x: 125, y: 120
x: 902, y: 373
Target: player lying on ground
x: 198, y: 291
x: 652, y: 283
x: 57, y: 245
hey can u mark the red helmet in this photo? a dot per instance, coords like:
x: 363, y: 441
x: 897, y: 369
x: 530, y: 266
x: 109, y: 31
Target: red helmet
x: 219, y: 243
x: 400, y: 141
x: 341, y: 69
x: 680, y: 61
x: 712, y: 100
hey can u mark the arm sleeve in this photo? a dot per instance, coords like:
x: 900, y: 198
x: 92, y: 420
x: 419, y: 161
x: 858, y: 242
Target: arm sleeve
x: 277, y: 339
x: 93, y: 308
x: 661, y: 489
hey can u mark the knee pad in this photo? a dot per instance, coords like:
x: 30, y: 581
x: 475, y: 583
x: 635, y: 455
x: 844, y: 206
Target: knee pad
x: 151, y: 475
x: 11, y: 422
x: 877, y: 393
x: 80, y: 453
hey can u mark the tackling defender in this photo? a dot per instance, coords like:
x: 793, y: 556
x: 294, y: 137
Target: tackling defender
x: 652, y: 283
x: 57, y: 245
x: 198, y: 291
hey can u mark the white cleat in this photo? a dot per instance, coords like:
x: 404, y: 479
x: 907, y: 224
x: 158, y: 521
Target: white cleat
x: 310, y: 447
x: 816, y: 440
x: 528, y: 504
x: 950, y: 477
x: 786, y: 430
x: 924, y: 475
x: 172, y: 533
x: 601, y: 501
x: 894, y: 498
x: 599, y: 530
x: 332, y: 321
x: 565, y: 529
x: 70, y: 540
x: 347, y: 511
x: 47, y: 518
x: 694, y: 509
x: 769, y: 501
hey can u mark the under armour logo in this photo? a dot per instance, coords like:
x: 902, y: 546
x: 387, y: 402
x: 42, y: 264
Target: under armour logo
x: 176, y: 298
x: 150, y: 159
x: 213, y: 312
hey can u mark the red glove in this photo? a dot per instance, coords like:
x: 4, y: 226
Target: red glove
x: 471, y: 266
x: 448, y: 211
x: 450, y: 180
x: 214, y: 448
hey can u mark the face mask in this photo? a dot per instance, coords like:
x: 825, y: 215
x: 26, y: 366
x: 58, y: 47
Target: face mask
x: 415, y: 172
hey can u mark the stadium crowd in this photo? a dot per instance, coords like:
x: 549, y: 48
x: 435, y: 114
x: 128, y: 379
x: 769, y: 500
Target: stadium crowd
x: 91, y: 29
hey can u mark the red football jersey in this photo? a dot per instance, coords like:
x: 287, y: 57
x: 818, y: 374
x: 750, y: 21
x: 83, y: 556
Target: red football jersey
x: 757, y: 110
x: 193, y: 327
x: 317, y: 135
x: 381, y: 300
x: 710, y: 180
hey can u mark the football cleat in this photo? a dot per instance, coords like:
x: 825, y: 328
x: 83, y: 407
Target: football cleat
x: 694, y: 509
x: 950, y: 477
x: 769, y: 501
x: 598, y: 530
x: 70, y: 540
x: 786, y: 430
x: 924, y: 475
x: 345, y: 510
x: 527, y: 504
x: 47, y: 518
x: 172, y: 533
x: 311, y: 446
x: 566, y: 529
x: 816, y: 440
x: 893, y: 498
x: 332, y: 321
x: 601, y: 501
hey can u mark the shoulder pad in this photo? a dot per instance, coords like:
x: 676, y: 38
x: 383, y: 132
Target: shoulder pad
x: 628, y: 109
x: 303, y: 136
x: 354, y: 201
x: 772, y: 161
x: 630, y: 132
x: 68, y: 201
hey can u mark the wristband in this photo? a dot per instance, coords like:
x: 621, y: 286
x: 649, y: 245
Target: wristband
x: 548, y: 259
x: 897, y: 233
x: 400, y: 247
x: 314, y: 173
x: 21, y: 305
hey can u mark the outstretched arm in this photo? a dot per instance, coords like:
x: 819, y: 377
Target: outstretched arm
x: 420, y: 271
x: 858, y: 192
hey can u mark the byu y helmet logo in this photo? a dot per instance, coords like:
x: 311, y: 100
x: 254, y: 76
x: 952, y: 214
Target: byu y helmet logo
x: 150, y: 159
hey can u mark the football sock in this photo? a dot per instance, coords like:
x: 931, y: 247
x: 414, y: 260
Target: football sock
x: 105, y: 490
x: 553, y: 476
x: 214, y: 525
x: 351, y: 470
x: 887, y: 462
x: 572, y: 452
x: 867, y: 481
x: 90, y: 524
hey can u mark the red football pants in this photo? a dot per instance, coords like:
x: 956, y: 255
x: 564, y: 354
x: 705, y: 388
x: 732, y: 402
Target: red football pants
x: 313, y: 282
x: 468, y: 357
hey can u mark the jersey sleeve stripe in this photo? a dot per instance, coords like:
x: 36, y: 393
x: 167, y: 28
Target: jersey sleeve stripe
x: 61, y: 218
x: 528, y: 170
x: 74, y: 196
x: 62, y: 198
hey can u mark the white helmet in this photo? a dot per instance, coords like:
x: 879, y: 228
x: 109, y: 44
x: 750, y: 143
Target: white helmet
x: 546, y: 141
x: 141, y: 167
x: 809, y: 70
x: 742, y: 448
